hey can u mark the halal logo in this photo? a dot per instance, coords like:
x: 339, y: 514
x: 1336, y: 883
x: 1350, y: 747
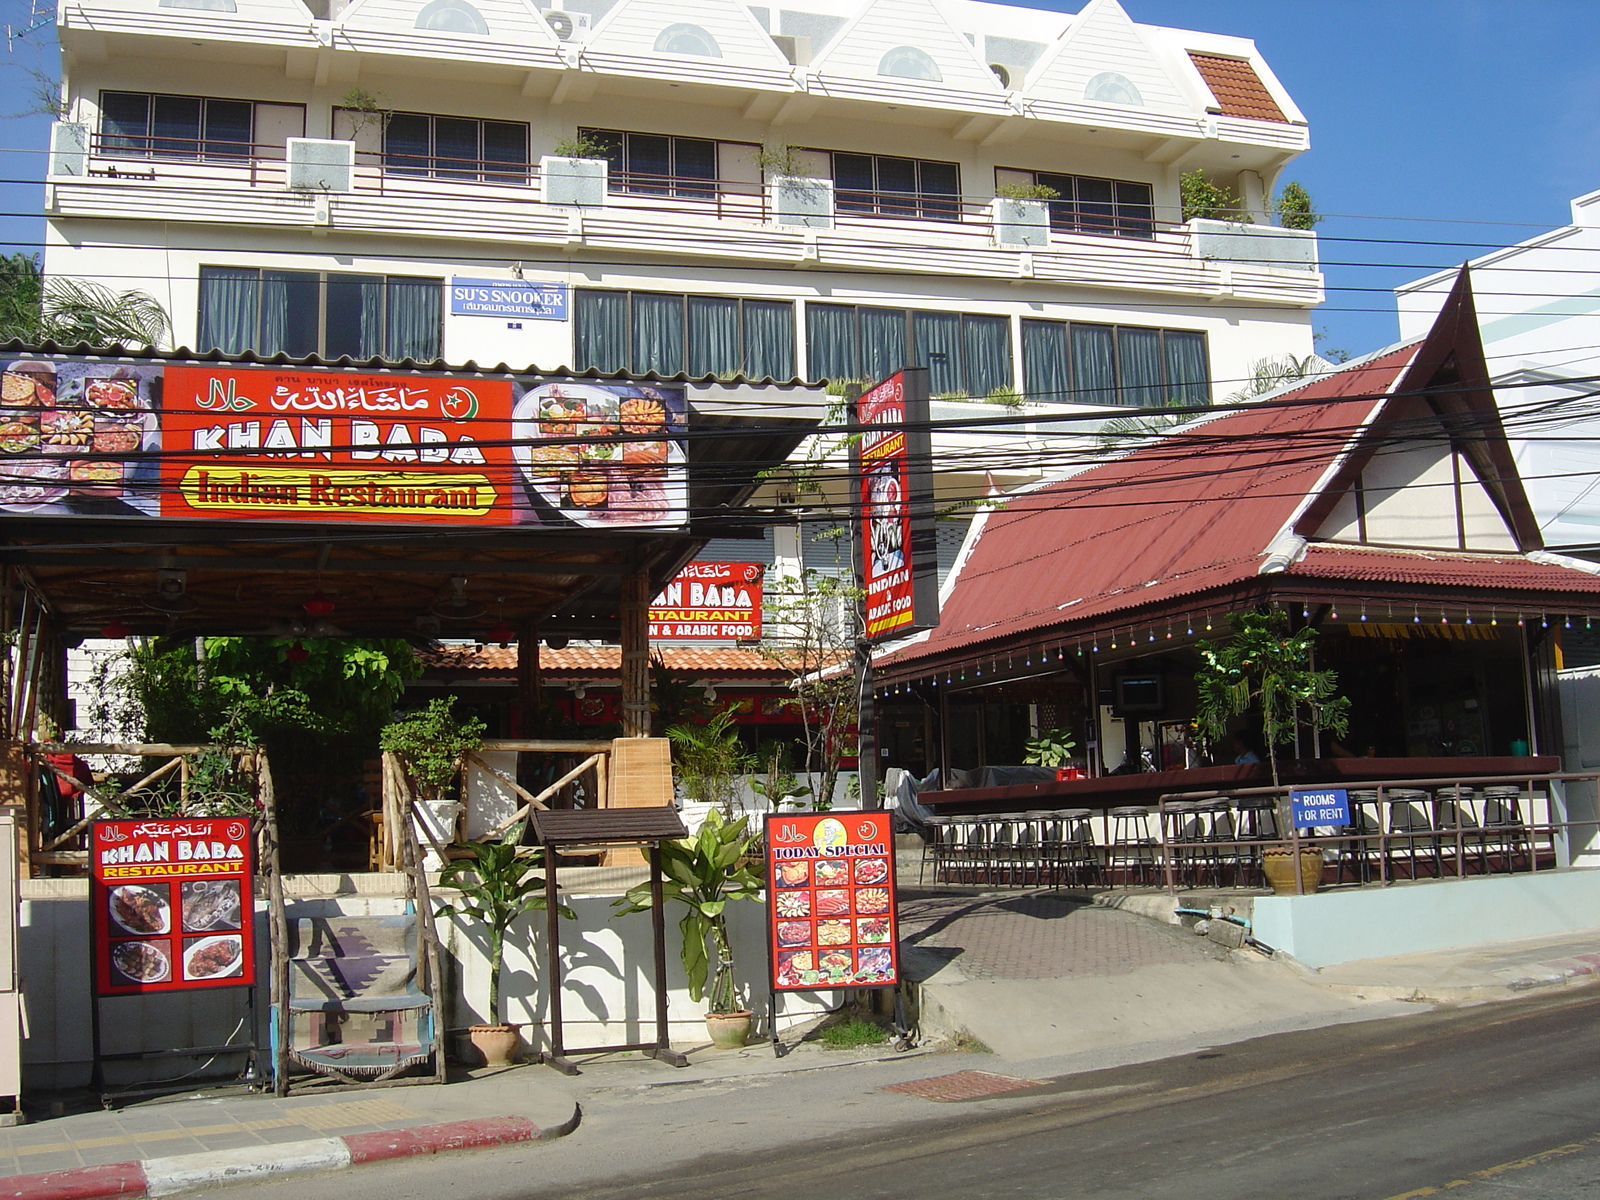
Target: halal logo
x: 460, y: 404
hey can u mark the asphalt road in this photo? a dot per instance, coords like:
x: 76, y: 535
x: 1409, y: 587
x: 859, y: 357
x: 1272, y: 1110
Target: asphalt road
x: 1492, y: 1100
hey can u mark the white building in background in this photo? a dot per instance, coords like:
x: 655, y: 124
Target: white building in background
x: 1539, y: 312
x: 806, y: 190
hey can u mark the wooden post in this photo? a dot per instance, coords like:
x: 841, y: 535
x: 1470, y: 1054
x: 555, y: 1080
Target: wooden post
x: 635, y: 617
x: 530, y: 687
x: 277, y: 925
x: 411, y: 863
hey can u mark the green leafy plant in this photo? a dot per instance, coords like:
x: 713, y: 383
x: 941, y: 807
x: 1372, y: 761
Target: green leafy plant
x: 785, y: 160
x: 709, y: 755
x: 368, y: 110
x: 497, y: 886
x: 1202, y: 198
x: 705, y: 873
x: 1005, y: 395
x: 581, y: 146
x: 1026, y: 191
x: 852, y: 1034
x: 1294, y: 208
x: 34, y: 308
x: 1052, y: 748
x: 432, y: 743
x: 1270, y: 374
x: 777, y: 784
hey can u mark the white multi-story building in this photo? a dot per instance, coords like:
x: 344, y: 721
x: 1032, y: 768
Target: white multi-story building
x: 1539, y: 314
x: 764, y: 190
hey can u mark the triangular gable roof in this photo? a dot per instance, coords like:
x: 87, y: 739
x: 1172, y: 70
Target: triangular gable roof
x: 632, y: 27
x: 511, y: 23
x: 884, y: 25
x: 1206, y: 510
x: 1104, y: 38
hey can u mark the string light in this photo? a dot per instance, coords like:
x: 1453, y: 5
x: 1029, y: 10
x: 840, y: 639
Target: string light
x: 1416, y: 617
x: 1152, y: 635
x: 1469, y: 616
x: 1169, y: 630
x: 1443, y: 620
x: 1333, y: 613
x: 1096, y: 647
x: 1494, y: 616
x: 1190, y: 620
x: 1363, y: 610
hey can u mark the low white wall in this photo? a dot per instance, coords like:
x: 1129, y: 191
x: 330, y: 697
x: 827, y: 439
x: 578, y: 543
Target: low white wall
x: 1335, y: 927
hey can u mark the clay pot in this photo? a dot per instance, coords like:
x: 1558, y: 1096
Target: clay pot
x: 729, y: 1031
x: 497, y: 1043
x: 1277, y: 864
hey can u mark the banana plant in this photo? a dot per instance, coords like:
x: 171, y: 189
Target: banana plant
x: 703, y: 873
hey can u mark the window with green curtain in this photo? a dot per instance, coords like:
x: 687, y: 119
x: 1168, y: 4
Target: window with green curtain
x: 291, y: 308
x: 831, y: 342
x: 1094, y: 364
x: 599, y: 330
x: 230, y: 309
x: 769, y: 339
x: 713, y: 336
x: 657, y: 333
x: 986, y: 346
x: 415, y: 319
x: 1044, y: 362
x: 883, y: 342
x: 1188, y: 381
x: 936, y: 338
x: 354, y: 322
x: 1140, y: 363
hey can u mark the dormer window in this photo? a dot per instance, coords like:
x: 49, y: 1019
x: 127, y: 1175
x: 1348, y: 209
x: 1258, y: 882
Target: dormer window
x: 907, y: 62
x: 1110, y: 88
x: 452, y: 16
x: 687, y: 39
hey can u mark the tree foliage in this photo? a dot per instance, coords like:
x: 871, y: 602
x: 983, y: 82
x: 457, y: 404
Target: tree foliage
x: 709, y: 755
x: 433, y: 744
x: 1204, y: 199
x: 1294, y: 207
x: 36, y: 308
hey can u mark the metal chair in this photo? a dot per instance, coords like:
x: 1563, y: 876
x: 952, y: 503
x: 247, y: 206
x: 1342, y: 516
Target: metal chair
x: 1255, y: 821
x: 1360, y: 854
x: 1504, y: 830
x: 1409, y: 823
x: 1080, y: 856
x: 1461, y: 832
x: 1132, y: 847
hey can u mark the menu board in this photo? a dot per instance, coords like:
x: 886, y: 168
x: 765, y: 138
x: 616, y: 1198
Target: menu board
x: 171, y: 905
x: 831, y: 901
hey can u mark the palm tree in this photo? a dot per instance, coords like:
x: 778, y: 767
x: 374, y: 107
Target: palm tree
x: 34, y: 308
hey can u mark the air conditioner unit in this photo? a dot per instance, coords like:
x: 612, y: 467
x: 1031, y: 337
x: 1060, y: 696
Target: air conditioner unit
x: 316, y: 165
x: 567, y: 26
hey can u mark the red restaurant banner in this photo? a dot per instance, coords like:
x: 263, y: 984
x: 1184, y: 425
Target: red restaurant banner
x: 710, y: 601
x: 831, y: 901
x: 171, y: 905
x: 896, y: 540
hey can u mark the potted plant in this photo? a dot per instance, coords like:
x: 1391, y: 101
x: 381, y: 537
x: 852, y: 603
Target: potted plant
x: 1265, y: 666
x: 709, y: 756
x: 432, y: 745
x: 1052, y: 748
x: 497, y: 886
x: 704, y: 873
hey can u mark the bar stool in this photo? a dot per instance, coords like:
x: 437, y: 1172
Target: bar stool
x: 935, y: 847
x: 965, y: 850
x: 1504, y: 830
x: 1255, y: 820
x: 1220, y: 856
x: 1456, y: 819
x: 1409, y: 821
x: 1079, y: 855
x: 1361, y: 852
x: 1184, y: 833
x: 1132, y: 846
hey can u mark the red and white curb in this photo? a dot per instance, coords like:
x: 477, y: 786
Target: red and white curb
x: 156, y: 1177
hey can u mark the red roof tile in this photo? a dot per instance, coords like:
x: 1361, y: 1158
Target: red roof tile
x: 713, y: 662
x: 1237, y: 87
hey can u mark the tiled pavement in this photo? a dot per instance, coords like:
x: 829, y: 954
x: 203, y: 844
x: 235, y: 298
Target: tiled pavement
x: 1043, y: 935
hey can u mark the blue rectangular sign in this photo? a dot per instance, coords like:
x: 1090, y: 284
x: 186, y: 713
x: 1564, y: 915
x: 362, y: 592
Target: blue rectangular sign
x: 1330, y: 806
x: 508, y: 298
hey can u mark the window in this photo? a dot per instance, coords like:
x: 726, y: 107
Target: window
x: 669, y: 333
x: 896, y: 187
x: 907, y: 62
x: 687, y: 39
x: 1112, y: 206
x: 452, y: 16
x: 138, y: 123
x: 1079, y: 363
x: 654, y: 164
x: 968, y: 355
x: 1110, y: 88
x: 309, y: 312
x: 456, y: 148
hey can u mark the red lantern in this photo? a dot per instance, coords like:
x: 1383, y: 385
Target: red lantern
x: 296, y: 653
x: 114, y: 629
x: 501, y: 633
x: 319, y: 605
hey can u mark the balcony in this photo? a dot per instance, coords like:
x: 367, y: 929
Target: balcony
x: 328, y: 186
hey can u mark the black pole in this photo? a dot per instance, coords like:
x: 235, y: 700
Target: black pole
x: 658, y: 937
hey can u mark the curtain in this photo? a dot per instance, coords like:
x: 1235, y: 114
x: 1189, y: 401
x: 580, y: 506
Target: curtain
x: 125, y: 122
x: 883, y: 343
x: 987, y: 346
x: 713, y: 336
x: 416, y: 316
x: 354, y: 321
x: 291, y: 305
x: 769, y: 339
x: 1094, y: 365
x: 831, y: 342
x: 937, y: 337
x: 1187, y: 381
x: 600, y: 330
x: 657, y: 333
x: 1139, y: 355
x: 1044, y: 362
x: 230, y: 309
x: 407, y: 144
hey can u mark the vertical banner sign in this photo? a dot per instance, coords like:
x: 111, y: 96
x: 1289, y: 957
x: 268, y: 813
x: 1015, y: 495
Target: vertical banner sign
x: 171, y: 905
x: 710, y: 601
x: 896, y: 538
x: 831, y: 901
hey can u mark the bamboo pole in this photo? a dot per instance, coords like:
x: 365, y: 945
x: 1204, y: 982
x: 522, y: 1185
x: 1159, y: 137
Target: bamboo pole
x: 277, y: 924
x: 422, y: 898
x: 538, y: 801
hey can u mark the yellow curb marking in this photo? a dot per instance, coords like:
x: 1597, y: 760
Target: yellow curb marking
x: 1518, y: 1164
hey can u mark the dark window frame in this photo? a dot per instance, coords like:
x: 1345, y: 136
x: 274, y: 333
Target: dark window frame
x: 209, y: 140
x: 928, y: 199
x: 426, y: 161
x: 322, y: 281
x: 686, y: 176
x: 581, y: 362
x: 1098, y: 206
x: 1170, y: 388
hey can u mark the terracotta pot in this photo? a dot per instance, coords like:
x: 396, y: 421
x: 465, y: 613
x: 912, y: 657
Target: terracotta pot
x: 1277, y: 864
x: 730, y: 1030
x: 497, y: 1043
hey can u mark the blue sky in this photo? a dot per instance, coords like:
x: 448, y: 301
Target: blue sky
x: 1461, y: 122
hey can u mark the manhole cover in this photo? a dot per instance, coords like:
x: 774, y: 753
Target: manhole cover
x: 963, y: 1085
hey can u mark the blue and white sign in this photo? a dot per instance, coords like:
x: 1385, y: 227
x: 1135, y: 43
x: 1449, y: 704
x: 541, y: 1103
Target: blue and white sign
x: 1331, y: 806
x: 508, y: 298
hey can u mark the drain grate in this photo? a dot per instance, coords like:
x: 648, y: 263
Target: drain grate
x: 963, y: 1085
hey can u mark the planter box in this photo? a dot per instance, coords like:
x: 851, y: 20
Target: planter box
x: 574, y: 181
x: 69, y: 148
x: 1233, y: 241
x: 319, y: 165
x: 1020, y: 222
x: 800, y: 201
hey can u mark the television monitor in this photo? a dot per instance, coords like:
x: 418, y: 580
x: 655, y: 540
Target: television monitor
x: 1139, y: 694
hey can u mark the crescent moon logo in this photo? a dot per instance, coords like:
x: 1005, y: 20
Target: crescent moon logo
x: 235, y: 830
x: 867, y: 829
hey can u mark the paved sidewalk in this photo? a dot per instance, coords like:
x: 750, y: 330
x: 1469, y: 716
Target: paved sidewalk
x: 1491, y: 971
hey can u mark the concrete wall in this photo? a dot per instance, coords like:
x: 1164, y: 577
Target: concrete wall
x: 1336, y: 927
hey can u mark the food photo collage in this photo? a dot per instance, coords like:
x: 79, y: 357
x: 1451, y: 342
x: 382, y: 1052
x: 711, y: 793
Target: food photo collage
x: 152, y: 941
x: 833, y: 921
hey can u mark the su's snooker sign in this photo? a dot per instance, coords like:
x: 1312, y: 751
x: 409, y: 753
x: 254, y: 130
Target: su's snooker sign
x: 171, y: 905
x: 896, y: 550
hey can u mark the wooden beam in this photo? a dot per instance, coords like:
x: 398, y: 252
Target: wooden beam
x: 634, y: 611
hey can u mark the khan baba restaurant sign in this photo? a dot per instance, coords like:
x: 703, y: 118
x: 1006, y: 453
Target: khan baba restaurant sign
x: 710, y: 601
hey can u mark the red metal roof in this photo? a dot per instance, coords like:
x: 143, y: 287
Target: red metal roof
x: 1237, y: 87
x: 1442, y: 567
x: 599, y: 662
